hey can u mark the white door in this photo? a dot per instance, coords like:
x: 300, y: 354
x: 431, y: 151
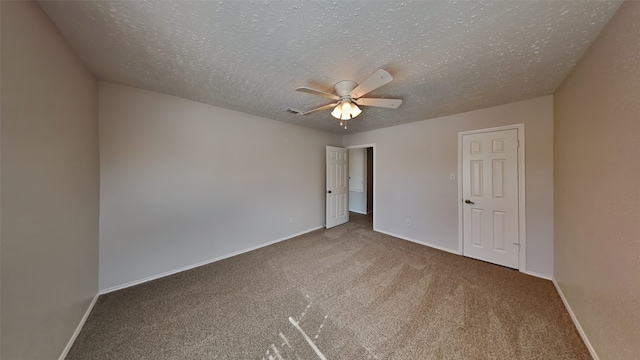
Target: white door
x: 490, y: 196
x: 337, y: 186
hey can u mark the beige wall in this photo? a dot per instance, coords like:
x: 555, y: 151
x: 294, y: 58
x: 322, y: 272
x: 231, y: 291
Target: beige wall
x: 184, y: 182
x: 49, y: 186
x: 597, y: 184
x: 412, y: 168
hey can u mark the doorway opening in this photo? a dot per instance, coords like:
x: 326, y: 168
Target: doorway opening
x: 361, y: 184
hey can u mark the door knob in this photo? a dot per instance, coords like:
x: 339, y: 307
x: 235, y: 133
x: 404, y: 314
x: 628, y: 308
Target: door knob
x: 328, y: 191
x: 469, y: 202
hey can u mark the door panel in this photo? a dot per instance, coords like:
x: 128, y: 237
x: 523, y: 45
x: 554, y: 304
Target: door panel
x: 337, y: 192
x: 490, y: 195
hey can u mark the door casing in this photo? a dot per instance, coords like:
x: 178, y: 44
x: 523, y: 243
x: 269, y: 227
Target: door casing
x: 522, y: 223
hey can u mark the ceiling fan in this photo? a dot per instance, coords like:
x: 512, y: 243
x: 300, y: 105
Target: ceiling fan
x: 349, y: 95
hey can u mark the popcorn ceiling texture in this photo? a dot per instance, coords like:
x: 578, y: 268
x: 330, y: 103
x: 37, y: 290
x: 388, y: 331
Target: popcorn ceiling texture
x: 446, y: 57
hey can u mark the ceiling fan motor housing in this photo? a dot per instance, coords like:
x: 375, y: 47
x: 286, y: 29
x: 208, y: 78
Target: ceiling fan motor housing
x: 344, y: 87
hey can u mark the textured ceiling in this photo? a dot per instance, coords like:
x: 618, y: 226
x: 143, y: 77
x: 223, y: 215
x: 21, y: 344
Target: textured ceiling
x: 446, y: 56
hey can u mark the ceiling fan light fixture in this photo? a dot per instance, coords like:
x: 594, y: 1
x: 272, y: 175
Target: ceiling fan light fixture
x: 346, y: 108
x: 336, y: 113
x: 349, y: 95
x: 355, y: 111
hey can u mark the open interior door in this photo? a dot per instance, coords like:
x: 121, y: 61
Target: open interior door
x: 337, y: 186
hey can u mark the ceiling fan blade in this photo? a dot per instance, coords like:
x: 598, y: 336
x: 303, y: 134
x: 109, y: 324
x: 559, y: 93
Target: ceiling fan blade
x: 385, y: 103
x: 318, y: 92
x: 374, y: 81
x: 328, y: 106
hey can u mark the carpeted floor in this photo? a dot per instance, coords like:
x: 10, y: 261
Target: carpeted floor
x: 342, y: 293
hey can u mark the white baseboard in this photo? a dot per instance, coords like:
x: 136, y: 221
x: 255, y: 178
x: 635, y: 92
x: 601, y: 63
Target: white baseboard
x: 188, y: 267
x: 358, y: 212
x: 418, y: 242
x: 576, y: 322
x: 542, y: 276
x: 79, y: 328
x: 532, y: 273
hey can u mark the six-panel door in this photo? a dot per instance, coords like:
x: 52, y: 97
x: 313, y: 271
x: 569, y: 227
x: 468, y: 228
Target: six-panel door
x: 490, y: 196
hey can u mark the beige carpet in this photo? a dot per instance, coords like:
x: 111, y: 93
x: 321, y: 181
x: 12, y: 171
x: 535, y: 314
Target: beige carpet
x: 342, y: 293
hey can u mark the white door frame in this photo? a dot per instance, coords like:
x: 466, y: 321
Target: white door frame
x: 375, y: 154
x: 522, y: 218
